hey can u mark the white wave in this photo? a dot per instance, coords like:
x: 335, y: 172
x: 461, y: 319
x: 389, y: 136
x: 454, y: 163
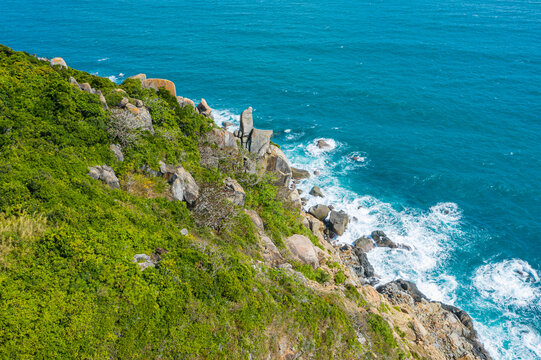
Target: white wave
x: 287, y: 131
x: 113, y: 78
x: 221, y: 116
x: 103, y: 59
x: 510, y: 340
x: 510, y: 282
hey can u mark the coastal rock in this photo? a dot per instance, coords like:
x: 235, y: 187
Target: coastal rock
x: 106, y: 174
x: 156, y: 84
x: 295, y: 199
x: 297, y: 173
x: 235, y: 192
x: 183, y: 102
x: 58, y: 61
x: 117, y: 152
x: 246, y: 125
x: 183, y: 185
x: 322, y: 144
x: 303, y: 250
x: 256, y: 219
x: 222, y: 138
x: 277, y: 164
x: 319, y: 211
x: 316, y: 191
x: 396, y: 289
x: 270, y: 253
x: 204, y: 109
x: 144, y: 261
x: 259, y: 141
x: 227, y: 124
x: 382, y: 240
x: 364, y: 243
x: 356, y: 259
x: 141, y: 77
x: 338, y: 221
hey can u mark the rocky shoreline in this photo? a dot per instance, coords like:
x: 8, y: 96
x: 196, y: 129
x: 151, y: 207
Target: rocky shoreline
x: 427, y: 328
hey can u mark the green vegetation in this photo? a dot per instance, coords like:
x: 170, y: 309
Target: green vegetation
x: 69, y: 286
x: 339, y: 277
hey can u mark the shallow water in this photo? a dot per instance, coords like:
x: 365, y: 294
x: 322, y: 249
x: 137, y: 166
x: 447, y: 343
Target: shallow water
x: 439, y: 103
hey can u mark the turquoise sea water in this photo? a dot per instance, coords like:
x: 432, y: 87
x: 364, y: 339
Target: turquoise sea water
x: 438, y: 101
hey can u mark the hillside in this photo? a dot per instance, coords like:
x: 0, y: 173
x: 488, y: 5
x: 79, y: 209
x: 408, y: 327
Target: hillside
x: 132, y: 227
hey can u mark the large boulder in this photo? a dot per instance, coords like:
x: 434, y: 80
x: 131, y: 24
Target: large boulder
x: 222, y: 138
x: 338, y: 221
x: 104, y: 173
x: 235, y: 192
x: 132, y: 117
x: 364, y: 243
x: 316, y: 191
x: 183, y: 185
x: 246, y: 125
x: 303, y: 250
x: 319, y: 211
x: 204, y: 109
x: 277, y: 164
x: 183, y: 102
x: 298, y: 174
x: 141, y: 77
x: 158, y: 83
x: 58, y: 61
x: 259, y: 141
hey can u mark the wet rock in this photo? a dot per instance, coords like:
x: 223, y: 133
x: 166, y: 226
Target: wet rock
x: 235, y: 192
x: 322, y: 144
x: 316, y: 191
x: 382, y: 240
x: 394, y: 290
x: 364, y: 243
x: 117, y: 152
x: 222, y: 138
x: 297, y: 173
x: 319, y: 211
x: 303, y: 250
x: 106, y: 174
x: 338, y: 221
x: 316, y: 172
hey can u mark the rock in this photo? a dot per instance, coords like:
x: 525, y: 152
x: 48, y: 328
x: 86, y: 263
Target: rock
x: 139, y: 103
x: 394, y: 290
x: 121, y: 91
x: 86, y: 87
x: 316, y: 191
x: 277, y: 164
x: 183, y: 102
x: 297, y: 173
x: 184, y: 186
x: 256, y: 219
x: 156, y: 84
x: 322, y: 144
x: 227, y: 124
x: 117, y: 152
x: 141, y: 77
x: 316, y: 172
x: 338, y: 221
x: 144, y: 261
x: 222, y: 138
x: 125, y: 101
x: 270, y: 253
x: 303, y: 250
x: 184, y: 232
x: 246, y: 124
x: 295, y: 199
x: 259, y: 141
x: 235, y: 192
x: 364, y: 243
x: 102, y: 100
x: 58, y: 61
x: 367, y: 269
x: 382, y: 240
x: 319, y: 211
x: 106, y: 174
x: 73, y: 81
x: 203, y: 108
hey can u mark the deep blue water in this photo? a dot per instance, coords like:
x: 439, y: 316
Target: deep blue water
x: 439, y: 100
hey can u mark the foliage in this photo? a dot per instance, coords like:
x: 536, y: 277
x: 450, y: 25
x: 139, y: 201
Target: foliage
x: 69, y: 286
x: 339, y: 277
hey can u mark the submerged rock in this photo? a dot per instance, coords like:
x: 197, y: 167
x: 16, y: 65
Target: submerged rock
x: 204, y: 109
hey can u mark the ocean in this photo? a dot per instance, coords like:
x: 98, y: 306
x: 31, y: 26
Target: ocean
x: 432, y: 110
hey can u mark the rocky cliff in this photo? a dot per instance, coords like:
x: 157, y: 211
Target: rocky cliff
x: 140, y: 229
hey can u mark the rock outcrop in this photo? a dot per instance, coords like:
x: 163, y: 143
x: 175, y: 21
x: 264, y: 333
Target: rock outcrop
x: 133, y: 117
x: 104, y: 173
x: 87, y: 88
x: 204, y: 109
x: 58, y: 61
x: 254, y: 140
x: 156, y: 84
x: 303, y: 250
x: 277, y: 164
x: 338, y: 221
x: 117, y: 152
x: 183, y: 185
x: 183, y: 102
x: 235, y: 192
x: 320, y: 211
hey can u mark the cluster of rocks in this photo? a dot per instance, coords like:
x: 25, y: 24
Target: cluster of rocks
x: 104, y: 173
x: 183, y: 185
x: 254, y: 140
x: 89, y: 89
